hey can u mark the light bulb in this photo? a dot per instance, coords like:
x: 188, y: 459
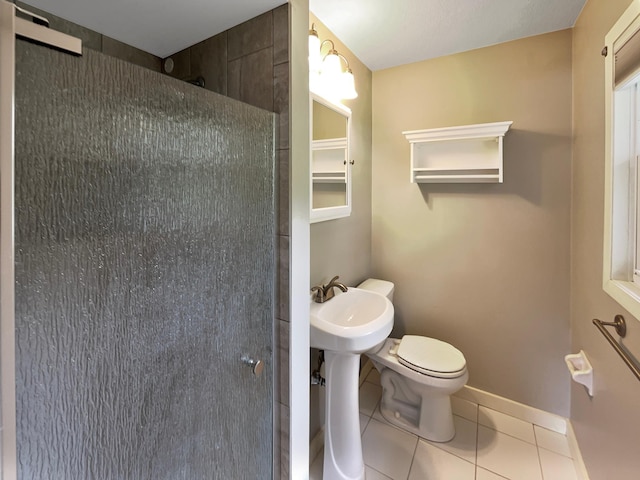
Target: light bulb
x: 331, y: 72
x: 315, y: 59
x: 348, y: 85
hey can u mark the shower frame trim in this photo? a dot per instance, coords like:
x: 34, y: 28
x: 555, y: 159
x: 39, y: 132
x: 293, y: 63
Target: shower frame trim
x: 7, y: 265
x: 46, y: 36
x: 10, y: 27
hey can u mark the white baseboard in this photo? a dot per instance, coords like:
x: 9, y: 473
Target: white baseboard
x: 524, y: 412
x: 581, y: 469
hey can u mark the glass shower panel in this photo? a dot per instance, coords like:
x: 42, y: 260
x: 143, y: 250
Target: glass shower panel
x: 144, y: 272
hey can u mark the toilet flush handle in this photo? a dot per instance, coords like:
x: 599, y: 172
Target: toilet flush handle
x: 256, y: 365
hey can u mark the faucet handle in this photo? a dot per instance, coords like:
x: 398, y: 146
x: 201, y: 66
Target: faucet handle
x: 318, y: 297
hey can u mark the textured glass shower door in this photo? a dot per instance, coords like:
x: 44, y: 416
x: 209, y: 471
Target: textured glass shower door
x: 144, y: 272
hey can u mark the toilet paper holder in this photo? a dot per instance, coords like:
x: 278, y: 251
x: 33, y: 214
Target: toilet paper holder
x: 581, y: 370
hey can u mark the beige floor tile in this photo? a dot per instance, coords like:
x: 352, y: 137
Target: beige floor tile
x: 554, y: 441
x: 506, y: 424
x: 482, y: 474
x: 364, y: 421
x: 507, y: 456
x: 372, y: 474
x: 556, y: 466
x: 369, y: 397
x: 432, y: 462
x: 489, y: 445
x: 464, y: 443
x: 388, y: 449
x: 374, y: 377
x: 464, y: 408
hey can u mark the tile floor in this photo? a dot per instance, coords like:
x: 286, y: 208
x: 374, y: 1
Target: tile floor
x: 488, y: 445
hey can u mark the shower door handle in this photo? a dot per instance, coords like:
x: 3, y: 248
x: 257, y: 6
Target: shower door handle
x: 256, y: 365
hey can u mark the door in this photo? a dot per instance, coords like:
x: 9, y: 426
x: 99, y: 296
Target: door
x: 144, y: 274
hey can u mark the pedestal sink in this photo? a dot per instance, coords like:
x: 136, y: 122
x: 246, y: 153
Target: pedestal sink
x: 344, y: 327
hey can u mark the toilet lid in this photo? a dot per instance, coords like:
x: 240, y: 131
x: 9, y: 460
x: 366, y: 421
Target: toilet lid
x: 430, y: 356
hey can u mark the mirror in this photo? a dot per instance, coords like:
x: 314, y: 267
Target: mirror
x: 330, y: 163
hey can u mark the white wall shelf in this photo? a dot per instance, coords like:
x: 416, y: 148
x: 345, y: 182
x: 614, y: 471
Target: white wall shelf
x: 465, y: 154
x: 329, y: 160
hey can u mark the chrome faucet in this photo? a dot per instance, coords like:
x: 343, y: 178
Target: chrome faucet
x: 325, y: 292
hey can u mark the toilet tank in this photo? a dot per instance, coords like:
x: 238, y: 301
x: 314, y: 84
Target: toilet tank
x: 379, y: 286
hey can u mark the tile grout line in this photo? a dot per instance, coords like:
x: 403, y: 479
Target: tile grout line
x: 553, y: 451
x: 540, y: 463
x: 413, y: 457
x: 535, y: 437
x: 438, y: 444
x: 549, y: 449
x: 535, y: 444
x: 378, y: 471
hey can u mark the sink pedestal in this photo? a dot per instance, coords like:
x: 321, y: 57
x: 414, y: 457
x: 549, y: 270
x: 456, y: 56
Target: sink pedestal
x: 349, y: 324
x: 342, y: 442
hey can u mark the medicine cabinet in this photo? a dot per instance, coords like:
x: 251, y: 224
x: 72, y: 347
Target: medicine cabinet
x: 464, y: 154
x: 330, y: 127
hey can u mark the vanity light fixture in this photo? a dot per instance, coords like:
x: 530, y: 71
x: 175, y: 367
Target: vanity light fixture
x: 326, y: 76
x: 314, y: 50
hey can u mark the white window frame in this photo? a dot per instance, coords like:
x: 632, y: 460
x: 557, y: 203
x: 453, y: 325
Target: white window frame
x: 621, y: 256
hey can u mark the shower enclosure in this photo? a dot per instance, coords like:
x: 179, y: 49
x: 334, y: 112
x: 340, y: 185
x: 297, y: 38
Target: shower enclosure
x: 144, y: 274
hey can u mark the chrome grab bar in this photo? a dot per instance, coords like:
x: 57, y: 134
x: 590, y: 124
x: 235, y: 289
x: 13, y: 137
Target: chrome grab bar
x: 621, y: 329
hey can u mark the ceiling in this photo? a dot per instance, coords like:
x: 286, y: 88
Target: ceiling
x: 160, y: 27
x: 387, y: 33
x: 381, y: 33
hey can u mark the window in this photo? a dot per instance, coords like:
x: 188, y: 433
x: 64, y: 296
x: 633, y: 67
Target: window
x: 621, y: 269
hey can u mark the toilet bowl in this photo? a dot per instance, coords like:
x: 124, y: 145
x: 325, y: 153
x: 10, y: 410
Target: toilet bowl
x: 414, y: 397
x: 418, y: 375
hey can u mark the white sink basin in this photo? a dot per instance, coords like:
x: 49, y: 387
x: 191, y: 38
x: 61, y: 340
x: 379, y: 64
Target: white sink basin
x: 344, y: 327
x: 354, y: 321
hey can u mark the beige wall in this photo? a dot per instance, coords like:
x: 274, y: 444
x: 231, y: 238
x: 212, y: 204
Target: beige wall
x: 607, y: 426
x: 343, y: 246
x: 484, y: 267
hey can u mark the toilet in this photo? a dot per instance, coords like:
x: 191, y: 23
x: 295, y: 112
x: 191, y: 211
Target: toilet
x: 418, y: 375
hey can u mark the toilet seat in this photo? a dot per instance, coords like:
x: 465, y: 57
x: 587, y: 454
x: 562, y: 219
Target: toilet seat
x: 430, y: 357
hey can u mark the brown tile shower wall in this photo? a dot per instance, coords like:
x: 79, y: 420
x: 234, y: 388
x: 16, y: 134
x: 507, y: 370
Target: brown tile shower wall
x: 250, y: 62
